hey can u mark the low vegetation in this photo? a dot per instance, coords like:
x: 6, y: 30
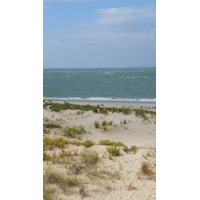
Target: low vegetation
x: 96, y: 124
x: 88, y: 143
x: 61, y: 180
x: 113, y: 150
x: 110, y: 143
x: 51, y: 125
x: 146, y: 169
x: 142, y: 113
x: 89, y: 157
x: 60, y: 143
x: 96, y: 109
x: 134, y: 149
x: 74, y: 131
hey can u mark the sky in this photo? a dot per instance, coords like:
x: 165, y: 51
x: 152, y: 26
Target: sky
x: 99, y: 33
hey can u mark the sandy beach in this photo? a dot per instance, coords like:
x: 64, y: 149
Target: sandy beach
x: 106, y: 103
x: 93, y: 169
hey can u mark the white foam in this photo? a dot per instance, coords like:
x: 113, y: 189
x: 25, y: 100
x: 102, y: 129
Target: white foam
x: 100, y: 99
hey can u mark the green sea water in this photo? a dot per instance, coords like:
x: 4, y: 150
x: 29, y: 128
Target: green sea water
x: 100, y: 84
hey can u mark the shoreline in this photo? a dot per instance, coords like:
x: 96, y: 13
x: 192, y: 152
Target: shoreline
x: 107, y: 103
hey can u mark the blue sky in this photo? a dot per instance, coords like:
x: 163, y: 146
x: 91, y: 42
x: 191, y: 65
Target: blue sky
x: 99, y: 33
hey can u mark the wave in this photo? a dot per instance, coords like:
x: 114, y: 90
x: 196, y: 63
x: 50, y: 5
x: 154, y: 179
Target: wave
x: 128, y: 77
x: 153, y: 100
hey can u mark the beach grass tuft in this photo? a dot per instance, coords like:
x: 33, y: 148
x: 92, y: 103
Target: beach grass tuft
x: 88, y: 143
x: 73, y: 131
x: 113, y: 150
x: 134, y: 149
x: 110, y: 143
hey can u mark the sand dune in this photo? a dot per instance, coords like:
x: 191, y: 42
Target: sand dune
x: 110, y: 177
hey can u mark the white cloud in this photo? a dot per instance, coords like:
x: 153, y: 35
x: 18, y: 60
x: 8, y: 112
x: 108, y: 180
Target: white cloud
x: 124, y: 14
x: 119, y: 23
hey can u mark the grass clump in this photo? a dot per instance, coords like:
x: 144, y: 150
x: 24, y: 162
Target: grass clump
x: 134, y: 149
x: 89, y: 157
x: 113, y: 150
x: 59, y: 142
x: 46, y: 156
x: 51, y: 125
x: 88, y: 143
x: 74, y: 131
x: 142, y: 113
x: 53, y: 177
x: 96, y: 124
x: 48, y: 192
x: 146, y: 169
x: 105, y: 128
x: 110, y: 143
x: 111, y: 123
x: 104, y: 123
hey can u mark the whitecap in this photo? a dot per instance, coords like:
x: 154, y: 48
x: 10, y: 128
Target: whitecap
x: 132, y: 77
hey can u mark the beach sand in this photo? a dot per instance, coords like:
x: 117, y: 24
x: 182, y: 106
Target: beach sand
x: 111, y: 177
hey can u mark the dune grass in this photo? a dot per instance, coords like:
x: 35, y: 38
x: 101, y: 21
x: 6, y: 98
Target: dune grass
x: 113, y: 150
x: 60, y: 143
x: 96, y: 109
x: 110, y: 143
x: 74, y: 131
x: 51, y: 125
x: 142, y: 113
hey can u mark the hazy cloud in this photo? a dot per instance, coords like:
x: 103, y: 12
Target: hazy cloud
x: 119, y: 23
x: 125, y: 14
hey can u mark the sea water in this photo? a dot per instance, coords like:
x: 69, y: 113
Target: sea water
x: 127, y: 84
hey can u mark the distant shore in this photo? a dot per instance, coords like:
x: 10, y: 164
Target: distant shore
x: 107, y: 103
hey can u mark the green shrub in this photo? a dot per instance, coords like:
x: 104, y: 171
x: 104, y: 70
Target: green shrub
x: 96, y: 124
x: 73, y: 131
x: 110, y: 123
x: 113, y: 150
x: 59, y: 142
x: 105, y: 128
x: 110, y: 143
x: 134, y: 149
x: 104, y: 123
x: 88, y: 143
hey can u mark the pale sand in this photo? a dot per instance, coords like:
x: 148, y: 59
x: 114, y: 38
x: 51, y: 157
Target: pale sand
x: 135, y: 132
